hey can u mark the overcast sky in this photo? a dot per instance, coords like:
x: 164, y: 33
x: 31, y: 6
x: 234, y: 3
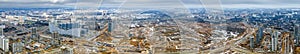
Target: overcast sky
x: 150, y: 3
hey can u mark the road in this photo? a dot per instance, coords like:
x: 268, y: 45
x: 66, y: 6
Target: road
x: 234, y: 42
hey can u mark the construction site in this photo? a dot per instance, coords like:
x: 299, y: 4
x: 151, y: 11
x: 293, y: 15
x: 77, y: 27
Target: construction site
x: 145, y: 32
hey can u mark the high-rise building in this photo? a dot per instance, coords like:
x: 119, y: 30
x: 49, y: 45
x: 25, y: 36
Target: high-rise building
x: 110, y: 26
x: 274, y: 40
x: 1, y: 32
x: 296, y: 35
x: 34, y: 31
x: 3, y: 14
x: 251, y: 42
x: 34, y: 35
x: 55, y: 39
x: 259, y: 35
x: 74, y: 28
x: 285, y: 44
x: 4, y: 44
x: 104, y: 13
x: 22, y: 20
x: 17, y: 47
x: 55, y: 35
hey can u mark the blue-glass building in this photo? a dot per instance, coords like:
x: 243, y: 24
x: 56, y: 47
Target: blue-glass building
x: 296, y: 35
x: 259, y: 35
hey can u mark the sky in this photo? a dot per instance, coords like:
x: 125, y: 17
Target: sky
x: 149, y: 3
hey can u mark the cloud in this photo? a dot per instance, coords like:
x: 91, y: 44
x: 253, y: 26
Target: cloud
x: 145, y: 3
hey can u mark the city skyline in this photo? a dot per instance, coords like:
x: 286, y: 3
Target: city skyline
x: 145, y: 3
x: 149, y: 27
